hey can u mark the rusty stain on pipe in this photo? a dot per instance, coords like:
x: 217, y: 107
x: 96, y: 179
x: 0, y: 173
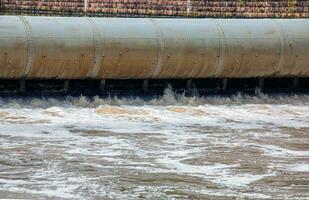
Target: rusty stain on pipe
x: 124, y: 48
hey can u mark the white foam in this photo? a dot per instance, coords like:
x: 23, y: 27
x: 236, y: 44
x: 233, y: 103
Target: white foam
x: 182, y: 128
x: 277, y: 151
x: 300, y: 167
x: 240, y: 180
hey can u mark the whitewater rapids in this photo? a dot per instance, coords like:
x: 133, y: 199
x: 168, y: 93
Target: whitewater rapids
x: 170, y: 147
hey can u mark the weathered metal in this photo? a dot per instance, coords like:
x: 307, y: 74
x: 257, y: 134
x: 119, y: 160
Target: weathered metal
x: 124, y: 48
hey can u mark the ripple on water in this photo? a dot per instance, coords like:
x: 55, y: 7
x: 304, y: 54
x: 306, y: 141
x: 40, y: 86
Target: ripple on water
x: 166, y: 147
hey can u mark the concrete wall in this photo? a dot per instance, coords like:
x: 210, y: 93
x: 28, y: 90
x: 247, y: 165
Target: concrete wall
x: 173, y: 8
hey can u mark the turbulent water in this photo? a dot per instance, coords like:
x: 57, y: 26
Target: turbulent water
x: 170, y: 147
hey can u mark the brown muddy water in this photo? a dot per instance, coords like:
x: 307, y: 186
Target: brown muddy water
x: 172, y: 147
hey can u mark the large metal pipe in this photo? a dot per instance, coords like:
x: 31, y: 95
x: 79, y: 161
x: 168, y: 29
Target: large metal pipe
x: 100, y: 48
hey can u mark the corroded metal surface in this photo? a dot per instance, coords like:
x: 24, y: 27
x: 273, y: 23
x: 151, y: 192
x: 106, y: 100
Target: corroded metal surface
x: 13, y: 47
x: 78, y: 48
x: 129, y: 47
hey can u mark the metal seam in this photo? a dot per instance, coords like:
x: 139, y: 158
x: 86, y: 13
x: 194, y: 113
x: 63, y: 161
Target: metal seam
x: 97, y: 49
x: 222, y: 47
x: 29, y: 36
x: 160, y: 47
x: 282, y: 53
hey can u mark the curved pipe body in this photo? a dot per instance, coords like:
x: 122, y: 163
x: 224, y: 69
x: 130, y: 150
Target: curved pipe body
x: 100, y: 48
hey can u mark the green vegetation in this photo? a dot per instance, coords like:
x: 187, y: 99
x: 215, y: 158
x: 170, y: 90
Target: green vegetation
x: 242, y: 2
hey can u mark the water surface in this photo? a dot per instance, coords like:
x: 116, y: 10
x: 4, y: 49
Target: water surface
x: 170, y: 147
